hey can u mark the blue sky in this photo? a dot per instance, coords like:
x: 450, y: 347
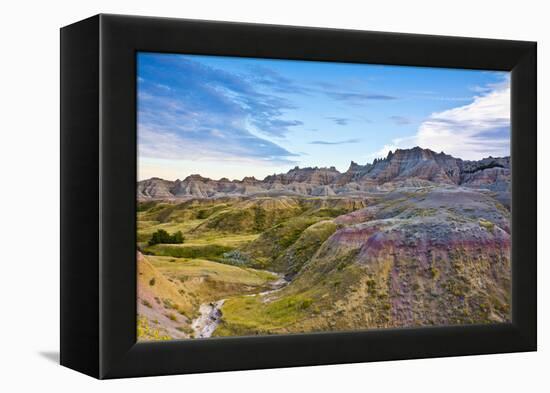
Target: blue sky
x: 234, y: 117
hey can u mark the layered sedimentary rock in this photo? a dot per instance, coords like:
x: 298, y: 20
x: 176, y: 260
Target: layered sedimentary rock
x: 414, y: 166
x: 417, y: 238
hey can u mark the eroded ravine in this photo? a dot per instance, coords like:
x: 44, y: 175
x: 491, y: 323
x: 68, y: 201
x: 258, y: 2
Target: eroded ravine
x: 209, y: 319
x: 211, y: 312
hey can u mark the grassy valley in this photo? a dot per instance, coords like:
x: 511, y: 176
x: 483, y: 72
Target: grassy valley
x: 408, y: 256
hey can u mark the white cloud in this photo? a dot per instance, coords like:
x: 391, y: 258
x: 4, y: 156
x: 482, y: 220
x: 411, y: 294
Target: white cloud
x: 214, y: 146
x: 474, y: 131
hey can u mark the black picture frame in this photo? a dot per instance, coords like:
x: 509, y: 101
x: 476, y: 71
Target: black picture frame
x: 98, y: 195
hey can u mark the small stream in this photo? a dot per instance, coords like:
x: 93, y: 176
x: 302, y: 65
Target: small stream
x: 211, y: 313
x: 276, y: 286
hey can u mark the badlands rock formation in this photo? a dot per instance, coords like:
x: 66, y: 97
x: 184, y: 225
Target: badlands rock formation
x: 415, y: 166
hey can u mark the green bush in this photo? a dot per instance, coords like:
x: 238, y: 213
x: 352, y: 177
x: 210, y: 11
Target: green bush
x: 163, y: 237
x: 146, y: 303
x: 487, y: 224
x: 306, y: 303
x: 171, y: 317
x: 435, y: 272
x: 236, y: 257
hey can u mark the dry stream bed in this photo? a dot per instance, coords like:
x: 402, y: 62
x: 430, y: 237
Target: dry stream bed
x: 211, y: 312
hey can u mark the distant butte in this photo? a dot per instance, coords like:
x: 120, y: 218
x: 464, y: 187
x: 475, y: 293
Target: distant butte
x: 400, y: 168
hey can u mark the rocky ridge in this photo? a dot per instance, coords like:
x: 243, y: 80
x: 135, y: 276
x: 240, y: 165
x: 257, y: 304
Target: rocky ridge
x: 404, y: 167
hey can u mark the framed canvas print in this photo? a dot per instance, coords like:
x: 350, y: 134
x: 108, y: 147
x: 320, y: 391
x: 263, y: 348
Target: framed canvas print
x: 239, y: 196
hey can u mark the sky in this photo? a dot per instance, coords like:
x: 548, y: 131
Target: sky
x: 234, y: 117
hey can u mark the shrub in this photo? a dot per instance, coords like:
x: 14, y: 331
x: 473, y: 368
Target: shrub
x: 203, y: 214
x: 371, y: 287
x: 171, y: 317
x: 146, y: 303
x: 177, y: 237
x: 145, y: 331
x: 185, y: 329
x: 486, y: 224
x: 236, y: 257
x: 163, y: 237
x: 306, y: 303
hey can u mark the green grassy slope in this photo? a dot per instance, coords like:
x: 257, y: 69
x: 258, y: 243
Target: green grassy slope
x: 408, y: 257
